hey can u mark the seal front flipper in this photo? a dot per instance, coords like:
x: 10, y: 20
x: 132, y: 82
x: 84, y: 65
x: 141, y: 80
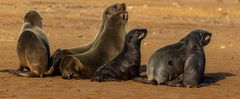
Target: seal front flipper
x: 69, y: 67
x: 97, y: 79
x: 22, y: 73
x: 145, y: 81
x: 101, y: 79
x: 176, y: 82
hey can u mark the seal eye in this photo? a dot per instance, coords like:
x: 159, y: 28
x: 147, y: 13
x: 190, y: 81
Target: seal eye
x: 113, y: 8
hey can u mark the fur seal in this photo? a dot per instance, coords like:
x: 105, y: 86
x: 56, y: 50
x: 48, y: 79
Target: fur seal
x: 107, y: 13
x: 109, y: 45
x: 33, y: 48
x: 168, y: 66
x: 126, y: 65
x: 194, y: 66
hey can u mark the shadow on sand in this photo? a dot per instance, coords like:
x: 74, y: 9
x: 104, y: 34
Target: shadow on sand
x: 212, y: 78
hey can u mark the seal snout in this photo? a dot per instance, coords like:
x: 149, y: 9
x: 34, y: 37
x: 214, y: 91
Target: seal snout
x: 207, y: 38
x: 143, y: 33
x: 123, y: 7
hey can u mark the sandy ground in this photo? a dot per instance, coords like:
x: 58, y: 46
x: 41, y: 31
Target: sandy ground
x: 69, y: 23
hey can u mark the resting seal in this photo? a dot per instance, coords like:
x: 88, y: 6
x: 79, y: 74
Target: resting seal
x: 33, y: 47
x: 107, y: 13
x: 109, y: 45
x: 126, y: 65
x: 168, y: 66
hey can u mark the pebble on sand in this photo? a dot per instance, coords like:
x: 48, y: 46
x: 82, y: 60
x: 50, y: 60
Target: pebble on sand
x: 222, y: 46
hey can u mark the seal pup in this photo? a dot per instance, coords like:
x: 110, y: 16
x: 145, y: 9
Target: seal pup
x: 126, y: 65
x: 109, y: 45
x: 33, y: 48
x: 107, y: 13
x: 194, y: 66
x: 167, y: 66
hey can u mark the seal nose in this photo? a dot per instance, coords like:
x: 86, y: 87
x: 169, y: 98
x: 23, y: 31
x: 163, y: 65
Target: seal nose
x: 144, y: 30
x: 143, y: 33
x: 210, y: 34
x: 123, y: 6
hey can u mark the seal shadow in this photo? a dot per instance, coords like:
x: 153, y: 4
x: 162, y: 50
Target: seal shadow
x: 213, y: 78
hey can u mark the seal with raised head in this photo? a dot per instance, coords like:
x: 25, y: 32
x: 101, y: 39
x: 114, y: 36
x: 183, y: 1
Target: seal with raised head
x: 167, y: 66
x: 107, y: 13
x: 109, y: 45
x: 194, y: 66
x: 33, y: 47
x: 126, y: 65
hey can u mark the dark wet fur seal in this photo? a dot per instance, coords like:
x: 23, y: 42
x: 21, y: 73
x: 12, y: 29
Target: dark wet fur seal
x: 174, y: 65
x: 194, y: 67
x: 108, y: 46
x: 126, y: 65
x: 33, y: 48
x: 107, y: 13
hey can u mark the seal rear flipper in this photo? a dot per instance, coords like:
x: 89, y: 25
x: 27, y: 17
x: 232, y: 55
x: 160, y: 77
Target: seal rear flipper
x: 145, y: 81
x: 28, y: 74
x: 177, y: 82
x: 21, y: 73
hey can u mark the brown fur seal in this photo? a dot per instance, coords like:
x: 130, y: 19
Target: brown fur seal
x: 126, y: 65
x: 109, y: 11
x: 167, y: 66
x: 33, y: 47
x: 109, y: 45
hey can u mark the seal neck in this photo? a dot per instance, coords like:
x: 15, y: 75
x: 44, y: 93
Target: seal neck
x: 132, y: 50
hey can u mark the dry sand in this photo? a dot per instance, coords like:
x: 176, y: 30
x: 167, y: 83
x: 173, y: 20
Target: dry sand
x: 166, y: 20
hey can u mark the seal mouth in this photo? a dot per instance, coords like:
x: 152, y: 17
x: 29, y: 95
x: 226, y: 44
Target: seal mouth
x: 124, y: 15
x: 143, y: 33
x: 206, y: 39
